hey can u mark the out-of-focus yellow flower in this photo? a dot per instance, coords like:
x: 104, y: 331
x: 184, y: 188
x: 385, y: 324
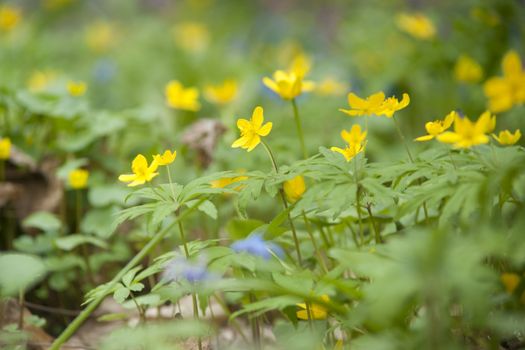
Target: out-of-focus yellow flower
x: 510, y: 281
x: 467, y: 70
x: 142, y: 172
x: 438, y: 127
x: 78, y: 179
x: 179, y: 97
x: 417, y: 25
x: 356, y: 141
x: 330, y: 86
x: 193, y: 37
x: 393, y: 105
x: 467, y: 133
x: 5, y: 148
x: 294, y: 189
x: 288, y: 85
x: 301, y: 65
x: 166, y: 158
x: 507, y: 138
x: 252, y: 130
x: 508, y: 90
x: 318, y: 312
x: 223, y: 93
x: 76, y: 88
x: 56, y: 4
x: 10, y: 16
x: 100, y: 36
x: 40, y: 80
x: 226, y: 181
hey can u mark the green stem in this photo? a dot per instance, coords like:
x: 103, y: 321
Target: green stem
x: 80, y: 319
x: 402, y: 137
x: 83, y: 247
x: 140, y: 309
x: 378, y: 238
x: 299, y: 128
x: 21, y: 303
x: 314, y: 242
x: 283, y: 199
x: 193, y: 295
x: 358, y: 203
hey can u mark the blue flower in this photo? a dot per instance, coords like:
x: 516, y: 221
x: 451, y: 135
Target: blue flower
x: 181, y: 269
x: 255, y: 245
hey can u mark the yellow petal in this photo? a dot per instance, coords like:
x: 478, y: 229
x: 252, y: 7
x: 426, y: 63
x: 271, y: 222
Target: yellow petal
x: 424, y: 138
x: 127, y: 177
x: 139, y: 164
x: 355, y: 101
x: 240, y: 142
x: 257, y: 117
x: 270, y: 84
x: 253, y: 142
x: 243, y: 124
x: 265, y: 129
x: 449, y: 137
x: 511, y: 64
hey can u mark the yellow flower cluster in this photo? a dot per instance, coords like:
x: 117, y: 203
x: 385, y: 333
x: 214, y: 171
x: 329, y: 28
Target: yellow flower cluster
x: 508, y: 90
x: 438, y: 127
x: 467, y: 133
x: 356, y: 141
x: 417, y: 25
x: 5, y: 148
x: 142, y: 172
x: 375, y: 104
x: 180, y: 97
x: 9, y: 17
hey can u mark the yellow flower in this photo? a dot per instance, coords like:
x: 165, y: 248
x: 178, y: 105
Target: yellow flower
x: 76, y: 88
x: 288, y: 85
x: 467, y: 133
x: 301, y: 65
x: 226, y: 181
x: 5, y: 148
x: 252, y: 130
x: 438, y: 127
x: 142, y: 173
x: 223, y: 93
x: 507, y: 138
x: 165, y: 159
x: 40, y: 80
x: 467, y: 70
x: 417, y: 25
x: 318, y: 312
x: 294, y: 189
x: 393, y: 105
x: 9, y: 17
x: 100, y: 36
x: 193, y: 37
x: 508, y: 90
x: 78, y: 179
x: 356, y: 140
x: 330, y: 86
x: 510, y: 281
x: 373, y: 104
x: 179, y: 97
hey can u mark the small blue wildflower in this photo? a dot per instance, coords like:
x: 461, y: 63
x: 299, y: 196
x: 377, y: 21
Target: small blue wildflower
x: 255, y: 245
x: 181, y: 269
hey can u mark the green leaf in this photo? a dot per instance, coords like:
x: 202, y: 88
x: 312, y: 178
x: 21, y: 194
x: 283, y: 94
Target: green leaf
x: 99, y: 221
x: 121, y: 294
x: 101, y: 196
x: 43, y: 220
x: 72, y: 241
x: 19, y: 272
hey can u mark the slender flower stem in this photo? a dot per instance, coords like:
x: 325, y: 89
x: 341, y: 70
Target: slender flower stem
x: 193, y: 295
x: 283, y: 199
x: 171, y: 183
x: 83, y: 247
x: 299, y: 128
x: 91, y: 307
x: 377, y: 234
x: 314, y: 242
x: 358, y: 203
x: 402, y: 137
